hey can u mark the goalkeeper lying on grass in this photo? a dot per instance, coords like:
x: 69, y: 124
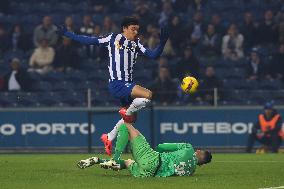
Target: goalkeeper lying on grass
x: 167, y: 160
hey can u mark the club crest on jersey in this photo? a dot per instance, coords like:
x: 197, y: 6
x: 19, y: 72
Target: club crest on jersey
x: 117, y: 45
x: 127, y: 84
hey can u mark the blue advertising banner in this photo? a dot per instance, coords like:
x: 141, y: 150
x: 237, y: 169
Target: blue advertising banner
x: 201, y: 127
x: 56, y: 128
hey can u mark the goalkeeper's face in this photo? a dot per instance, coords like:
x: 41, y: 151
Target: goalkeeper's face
x: 131, y: 32
x: 203, y: 157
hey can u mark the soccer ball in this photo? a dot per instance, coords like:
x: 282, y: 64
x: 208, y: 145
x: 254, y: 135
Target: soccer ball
x: 189, y: 84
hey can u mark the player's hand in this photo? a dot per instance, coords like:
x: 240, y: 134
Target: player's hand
x: 164, y: 35
x: 61, y: 29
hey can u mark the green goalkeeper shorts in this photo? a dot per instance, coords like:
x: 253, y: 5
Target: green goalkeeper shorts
x: 146, y: 159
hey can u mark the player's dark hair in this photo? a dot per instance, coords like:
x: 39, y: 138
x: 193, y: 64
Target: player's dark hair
x: 129, y: 20
x: 207, y: 157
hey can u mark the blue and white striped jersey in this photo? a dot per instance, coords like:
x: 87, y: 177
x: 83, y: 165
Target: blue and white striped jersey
x: 122, y: 53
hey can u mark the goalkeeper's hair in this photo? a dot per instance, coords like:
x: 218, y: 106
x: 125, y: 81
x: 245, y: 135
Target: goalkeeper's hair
x: 207, y: 158
x: 129, y: 20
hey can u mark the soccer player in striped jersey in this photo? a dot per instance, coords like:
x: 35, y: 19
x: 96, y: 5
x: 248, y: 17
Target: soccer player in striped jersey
x: 123, y: 49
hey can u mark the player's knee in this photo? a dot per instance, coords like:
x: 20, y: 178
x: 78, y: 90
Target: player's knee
x: 149, y: 95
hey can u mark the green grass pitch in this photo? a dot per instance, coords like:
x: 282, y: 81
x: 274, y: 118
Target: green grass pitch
x: 54, y: 171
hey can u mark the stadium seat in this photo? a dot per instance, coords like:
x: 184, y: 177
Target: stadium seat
x: 42, y: 86
x: 49, y: 98
x: 73, y: 98
x: 270, y: 84
x: 53, y: 77
x: 63, y: 86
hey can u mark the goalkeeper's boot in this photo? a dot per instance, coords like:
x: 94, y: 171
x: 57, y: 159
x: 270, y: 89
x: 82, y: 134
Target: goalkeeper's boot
x: 127, y: 118
x: 82, y: 164
x: 107, y: 143
x: 111, y: 164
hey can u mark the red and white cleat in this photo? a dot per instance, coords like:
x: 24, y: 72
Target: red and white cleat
x: 107, y: 143
x: 127, y: 118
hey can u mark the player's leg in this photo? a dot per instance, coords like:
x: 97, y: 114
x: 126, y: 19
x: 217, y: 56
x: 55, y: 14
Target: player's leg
x: 142, y: 97
x: 146, y: 160
x: 121, y: 143
x: 122, y: 91
x: 108, y: 138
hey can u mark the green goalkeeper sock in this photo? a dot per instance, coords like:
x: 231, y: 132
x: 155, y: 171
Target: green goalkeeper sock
x: 121, y: 142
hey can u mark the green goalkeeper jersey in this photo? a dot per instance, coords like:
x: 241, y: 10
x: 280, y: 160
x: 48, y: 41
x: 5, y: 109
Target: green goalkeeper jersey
x: 176, y: 159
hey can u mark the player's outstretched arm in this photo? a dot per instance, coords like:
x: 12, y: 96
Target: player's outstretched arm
x: 87, y: 40
x: 164, y: 35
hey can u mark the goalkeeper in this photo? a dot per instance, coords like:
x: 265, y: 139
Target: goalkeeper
x: 167, y: 160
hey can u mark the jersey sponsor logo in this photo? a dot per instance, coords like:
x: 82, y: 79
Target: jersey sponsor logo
x: 206, y: 128
x: 125, y: 46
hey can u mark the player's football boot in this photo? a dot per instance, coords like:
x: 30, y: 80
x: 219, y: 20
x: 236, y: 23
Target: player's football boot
x: 82, y: 164
x: 111, y: 164
x: 107, y: 143
x: 127, y: 118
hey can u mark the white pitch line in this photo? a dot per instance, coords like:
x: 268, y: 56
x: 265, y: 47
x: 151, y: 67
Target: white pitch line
x: 249, y: 161
x: 279, y: 187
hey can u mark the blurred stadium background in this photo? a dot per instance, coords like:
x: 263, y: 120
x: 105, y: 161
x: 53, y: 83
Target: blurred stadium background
x: 60, y: 102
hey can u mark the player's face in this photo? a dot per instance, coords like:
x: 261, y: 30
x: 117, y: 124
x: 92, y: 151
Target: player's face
x: 131, y: 32
x: 200, y: 155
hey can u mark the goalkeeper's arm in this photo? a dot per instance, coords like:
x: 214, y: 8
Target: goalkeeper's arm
x: 171, y: 147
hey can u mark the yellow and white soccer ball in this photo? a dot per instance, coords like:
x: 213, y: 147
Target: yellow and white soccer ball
x: 189, y: 85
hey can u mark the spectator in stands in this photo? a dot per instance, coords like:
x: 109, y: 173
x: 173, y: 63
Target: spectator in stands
x: 188, y: 65
x: 210, y: 42
x: 277, y: 66
x: 109, y: 26
x: 5, y: 7
x: 4, y: 40
x: 17, y: 79
x: 267, y: 31
x: 88, y: 26
x: 267, y: 130
x: 98, y: 52
x: 87, y: 29
x: 255, y: 67
x: 181, y: 5
x: 232, y: 44
x: 196, y: 28
x: 164, y: 87
x: 19, y: 40
x: 169, y: 50
x: 42, y: 58
x: 66, y: 56
x: 199, y: 5
x: 153, y: 39
x: 146, y: 16
x: 248, y: 30
x: 162, y: 62
x: 46, y: 30
x: 69, y: 23
x: 279, y: 19
x: 166, y: 13
x: 210, y: 82
x: 216, y: 21
x: 177, y: 28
